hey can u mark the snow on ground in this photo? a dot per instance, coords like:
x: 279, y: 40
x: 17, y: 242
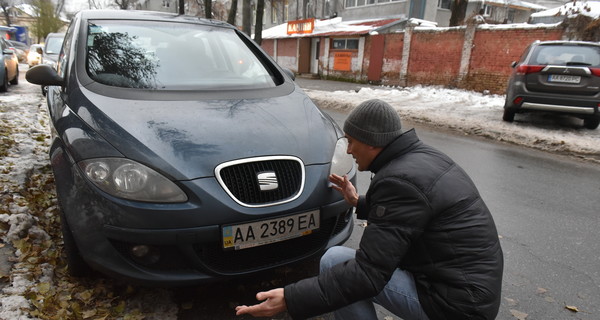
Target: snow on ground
x: 23, y: 111
x: 477, y: 114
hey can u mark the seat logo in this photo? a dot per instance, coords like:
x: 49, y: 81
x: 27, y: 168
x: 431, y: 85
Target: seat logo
x: 267, y: 181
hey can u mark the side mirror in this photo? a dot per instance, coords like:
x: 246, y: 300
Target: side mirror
x: 290, y: 73
x: 8, y: 51
x: 44, y: 75
x: 39, y: 50
x: 514, y: 64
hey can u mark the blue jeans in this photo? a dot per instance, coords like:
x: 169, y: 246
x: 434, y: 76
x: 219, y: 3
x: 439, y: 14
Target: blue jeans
x: 399, y: 295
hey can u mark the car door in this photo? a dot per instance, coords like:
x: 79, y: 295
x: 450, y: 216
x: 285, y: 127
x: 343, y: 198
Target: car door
x: 10, y: 60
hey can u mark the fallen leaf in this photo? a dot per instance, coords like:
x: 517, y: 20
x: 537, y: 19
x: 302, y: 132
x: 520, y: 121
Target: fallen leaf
x: 89, y: 313
x: 541, y: 290
x: 518, y: 314
x: 572, y: 308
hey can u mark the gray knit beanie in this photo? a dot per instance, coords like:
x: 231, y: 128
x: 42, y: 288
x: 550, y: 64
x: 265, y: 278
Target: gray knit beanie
x: 374, y: 122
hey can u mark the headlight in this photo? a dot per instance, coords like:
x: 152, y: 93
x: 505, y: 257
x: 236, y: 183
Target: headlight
x: 342, y: 162
x: 128, y: 179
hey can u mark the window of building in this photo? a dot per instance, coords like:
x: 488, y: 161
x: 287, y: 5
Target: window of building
x: 274, y: 13
x: 487, y: 10
x: 358, y: 3
x: 345, y: 44
x: 444, y: 4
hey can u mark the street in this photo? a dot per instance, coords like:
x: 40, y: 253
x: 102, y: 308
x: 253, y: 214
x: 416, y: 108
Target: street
x: 544, y: 205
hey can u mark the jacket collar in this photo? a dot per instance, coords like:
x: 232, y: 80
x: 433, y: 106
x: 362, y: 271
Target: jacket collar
x: 402, y: 145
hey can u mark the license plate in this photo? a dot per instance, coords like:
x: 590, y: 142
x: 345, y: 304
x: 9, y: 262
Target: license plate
x: 564, y: 78
x: 259, y: 233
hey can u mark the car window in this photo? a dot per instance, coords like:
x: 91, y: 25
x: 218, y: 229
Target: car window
x: 66, y: 51
x: 53, y: 45
x: 566, y: 55
x: 171, y: 56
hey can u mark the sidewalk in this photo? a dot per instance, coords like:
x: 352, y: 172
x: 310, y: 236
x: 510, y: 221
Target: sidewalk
x: 329, y: 85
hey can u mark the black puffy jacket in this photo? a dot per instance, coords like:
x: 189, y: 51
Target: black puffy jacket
x: 425, y: 216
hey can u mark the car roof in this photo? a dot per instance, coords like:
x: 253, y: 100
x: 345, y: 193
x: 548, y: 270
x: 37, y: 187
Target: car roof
x: 561, y: 42
x: 147, y: 15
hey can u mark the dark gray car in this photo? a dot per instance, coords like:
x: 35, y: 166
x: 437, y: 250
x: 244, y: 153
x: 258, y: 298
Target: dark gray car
x: 174, y: 168
x: 559, y: 77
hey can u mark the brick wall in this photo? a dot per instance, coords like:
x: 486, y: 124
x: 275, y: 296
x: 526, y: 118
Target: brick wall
x: 436, y: 55
x: 392, y: 58
x: 493, y: 52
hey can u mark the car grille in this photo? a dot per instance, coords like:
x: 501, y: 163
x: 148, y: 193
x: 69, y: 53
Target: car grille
x: 240, y: 180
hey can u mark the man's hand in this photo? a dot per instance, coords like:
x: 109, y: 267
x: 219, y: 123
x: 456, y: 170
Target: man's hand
x: 274, y: 303
x: 343, y: 185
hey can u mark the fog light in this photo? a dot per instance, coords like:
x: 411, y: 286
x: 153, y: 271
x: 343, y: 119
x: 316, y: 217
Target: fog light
x: 145, y: 254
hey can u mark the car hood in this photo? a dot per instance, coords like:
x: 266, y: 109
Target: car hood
x: 188, y: 139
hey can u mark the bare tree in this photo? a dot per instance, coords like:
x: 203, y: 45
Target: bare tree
x: 247, y: 17
x: 125, y: 4
x: 47, y: 21
x: 459, y: 11
x: 208, y: 9
x: 260, y: 9
x: 232, y: 12
x: 5, y: 5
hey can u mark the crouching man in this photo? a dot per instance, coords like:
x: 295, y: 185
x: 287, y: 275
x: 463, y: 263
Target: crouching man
x: 430, y: 249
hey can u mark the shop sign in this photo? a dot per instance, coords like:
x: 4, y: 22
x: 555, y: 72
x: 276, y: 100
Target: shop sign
x: 301, y: 26
x: 342, y: 61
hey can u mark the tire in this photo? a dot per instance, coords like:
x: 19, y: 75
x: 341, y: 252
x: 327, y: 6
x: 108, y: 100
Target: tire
x: 509, y: 115
x: 591, y: 123
x: 15, y: 81
x: 4, y: 86
x: 76, y: 265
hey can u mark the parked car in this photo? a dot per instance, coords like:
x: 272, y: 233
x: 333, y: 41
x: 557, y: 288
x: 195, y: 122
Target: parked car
x: 52, y: 47
x: 556, y: 76
x: 10, y: 73
x: 174, y: 168
x: 34, y: 57
x: 20, y: 48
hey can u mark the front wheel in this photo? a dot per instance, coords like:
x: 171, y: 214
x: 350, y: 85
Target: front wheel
x: 591, y: 123
x: 76, y: 265
x: 509, y: 115
x: 15, y: 81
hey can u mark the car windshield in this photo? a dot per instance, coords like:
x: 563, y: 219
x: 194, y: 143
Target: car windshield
x: 53, y: 45
x: 567, y: 55
x: 171, y: 56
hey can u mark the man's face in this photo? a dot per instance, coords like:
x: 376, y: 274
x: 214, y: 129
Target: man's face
x: 362, y: 153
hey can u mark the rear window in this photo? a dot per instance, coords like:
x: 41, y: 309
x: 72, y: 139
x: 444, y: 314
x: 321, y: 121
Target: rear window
x: 566, y: 55
x: 53, y: 45
x: 172, y: 56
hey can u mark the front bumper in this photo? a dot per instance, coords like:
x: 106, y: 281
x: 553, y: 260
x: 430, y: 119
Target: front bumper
x: 184, y: 241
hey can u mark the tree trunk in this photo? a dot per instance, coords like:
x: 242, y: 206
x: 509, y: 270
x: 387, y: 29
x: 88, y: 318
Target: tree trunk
x: 181, y: 6
x: 247, y: 17
x: 459, y: 11
x: 232, y: 12
x: 208, y: 9
x: 260, y: 9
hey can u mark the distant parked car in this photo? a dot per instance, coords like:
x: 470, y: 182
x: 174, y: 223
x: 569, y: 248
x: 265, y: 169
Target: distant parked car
x: 20, y: 49
x: 34, y: 57
x: 556, y: 76
x: 52, y: 47
x: 174, y: 171
x: 10, y: 72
